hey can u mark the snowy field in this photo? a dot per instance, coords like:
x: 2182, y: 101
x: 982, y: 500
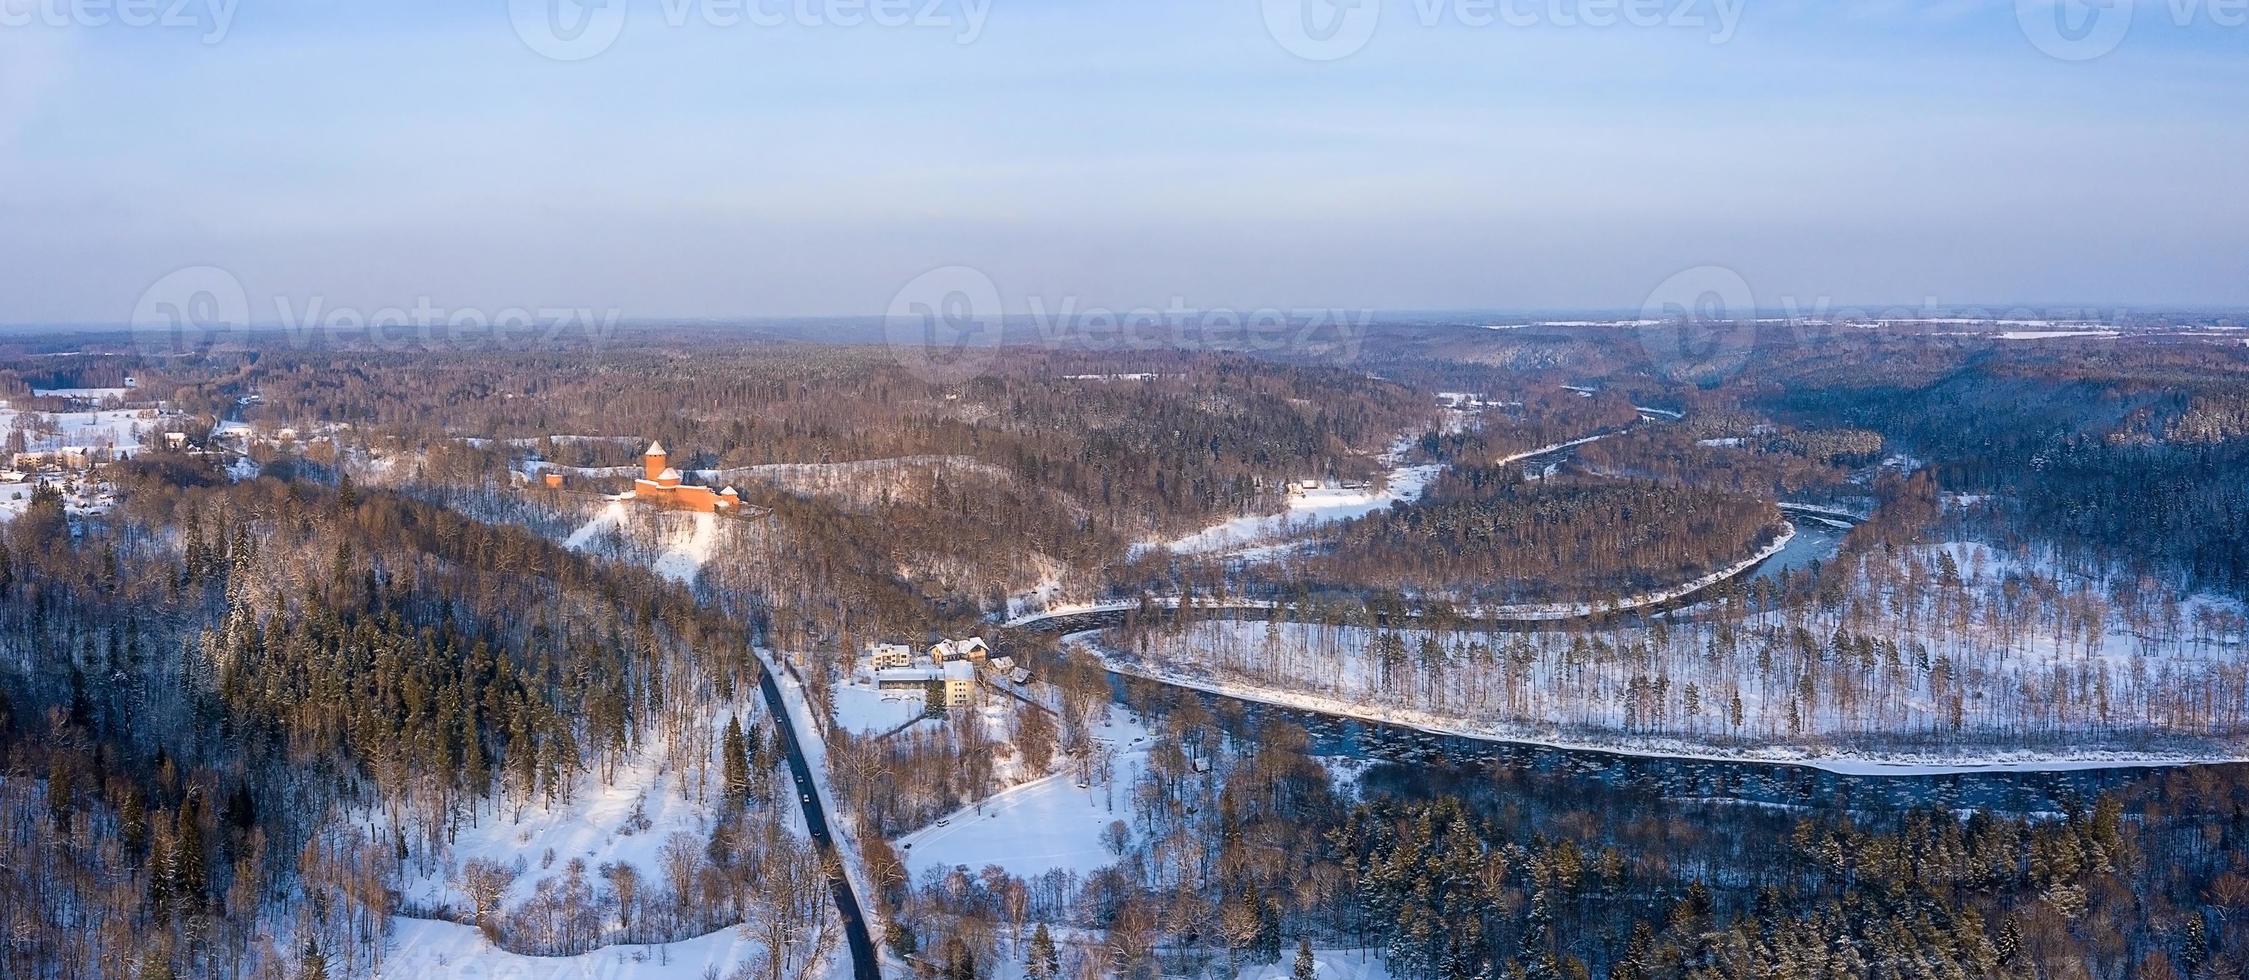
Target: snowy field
x: 426, y: 949
x: 123, y: 429
x: 863, y: 709
x: 1306, y: 510
x: 87, y: 394
x: 658, y: 791
x: 1043, y: 824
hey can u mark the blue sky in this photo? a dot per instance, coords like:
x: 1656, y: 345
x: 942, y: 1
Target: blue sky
x: 1120, y: 153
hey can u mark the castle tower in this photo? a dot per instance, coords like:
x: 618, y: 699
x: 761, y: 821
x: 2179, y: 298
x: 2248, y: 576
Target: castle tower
x: 655, y: 461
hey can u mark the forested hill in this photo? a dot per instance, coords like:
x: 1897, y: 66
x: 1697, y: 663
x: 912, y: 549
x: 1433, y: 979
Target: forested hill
x: 202, y: 688
x: 1485, y: 534
x: 1159, y: 439
x: 2127, y: 452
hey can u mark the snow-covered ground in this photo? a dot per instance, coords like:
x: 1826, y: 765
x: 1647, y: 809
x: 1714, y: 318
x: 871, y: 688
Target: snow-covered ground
x: 1046, y: 823
x: 1258, y: 536
x: 123, y: 429
x: 87, y: 394
x: 1665, y: 748
x: 2014, y: 674
x: 611, y: 516
x: 685, y: 548
x: 863, y: 709
x: 93, y: 497
x: 685, y: 555
x: 1306, y: 510
x: 2055, y: 334
x: 1555, y: 448
x: 427, y: 949
x: 657, y: 791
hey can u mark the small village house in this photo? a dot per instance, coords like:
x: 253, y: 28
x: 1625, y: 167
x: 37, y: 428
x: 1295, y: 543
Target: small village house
x: 971, y: 649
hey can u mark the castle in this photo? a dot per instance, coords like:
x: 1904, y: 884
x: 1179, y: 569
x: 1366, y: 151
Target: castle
x: 659, y: 484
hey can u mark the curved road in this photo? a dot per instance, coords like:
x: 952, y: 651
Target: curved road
x: 863, y: 958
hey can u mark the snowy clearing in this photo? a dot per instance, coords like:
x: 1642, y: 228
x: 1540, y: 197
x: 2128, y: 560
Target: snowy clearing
x: 1306, y: 510
x: 2056, y: 334
x: 659, y: 790
x: 1046, y: 823
x: 685, y: 555
x: 122, y: 430
x: 863, y: 709
x: 427, y: 948
x: 86, y: 394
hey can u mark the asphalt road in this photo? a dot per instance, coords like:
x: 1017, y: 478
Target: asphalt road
x: 863, y: 959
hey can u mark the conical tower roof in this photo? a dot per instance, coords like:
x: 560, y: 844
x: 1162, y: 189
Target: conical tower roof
x: 655, y: 449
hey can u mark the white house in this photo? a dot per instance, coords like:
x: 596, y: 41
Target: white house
x: 884, y: 656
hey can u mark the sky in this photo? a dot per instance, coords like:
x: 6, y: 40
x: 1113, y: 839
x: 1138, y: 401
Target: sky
x: 696, y: 159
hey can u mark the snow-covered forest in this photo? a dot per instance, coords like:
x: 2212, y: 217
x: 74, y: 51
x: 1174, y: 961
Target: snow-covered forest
x: 1950, y: 650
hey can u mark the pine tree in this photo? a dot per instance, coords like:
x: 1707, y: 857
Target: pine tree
x: 1044, y: 962
x: 902, y: 942
x: 1306, y: 967
x: 476, y: 775
x: 192, y: 877
x: 155, y: 965
x: 736, y: 766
